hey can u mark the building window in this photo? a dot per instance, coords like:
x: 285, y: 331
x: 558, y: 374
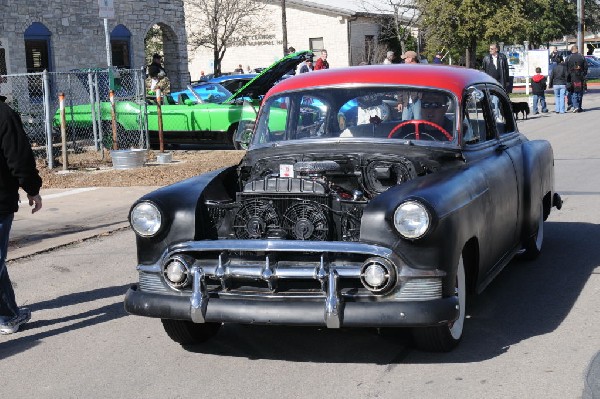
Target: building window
x: 3, y: 68
x: 120, y: 39
x: 37, y: 48
x: 369, y: 48
x: 316, y: 44
x: 37, y: 57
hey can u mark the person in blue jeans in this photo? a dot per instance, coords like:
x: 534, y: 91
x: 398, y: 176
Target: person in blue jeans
x: 17, y: 170
x: 538, y: 87
x: 558, y: 81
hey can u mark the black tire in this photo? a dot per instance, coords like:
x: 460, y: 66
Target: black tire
x: 533, y: 245
x: 231, y: 136
x: 188, y: 333
x: 447, y: 337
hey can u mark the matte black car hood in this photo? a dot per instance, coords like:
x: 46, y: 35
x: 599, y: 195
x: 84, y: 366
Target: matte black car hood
x: 269, y: 76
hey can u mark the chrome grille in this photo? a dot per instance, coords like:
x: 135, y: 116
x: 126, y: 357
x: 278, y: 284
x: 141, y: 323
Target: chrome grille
x: 420, y: 289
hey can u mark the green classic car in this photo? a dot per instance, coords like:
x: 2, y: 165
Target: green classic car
x: 210, y: 116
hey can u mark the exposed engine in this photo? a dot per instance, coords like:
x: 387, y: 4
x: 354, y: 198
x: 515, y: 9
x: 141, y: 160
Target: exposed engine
x: 318, y: 200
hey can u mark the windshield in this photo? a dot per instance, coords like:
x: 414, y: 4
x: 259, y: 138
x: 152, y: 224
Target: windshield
x: 210, y: 93
x: 373, y: 113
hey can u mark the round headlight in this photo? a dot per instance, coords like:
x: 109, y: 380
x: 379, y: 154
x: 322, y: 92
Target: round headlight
x: 145, y: 219
x: 411, y: 219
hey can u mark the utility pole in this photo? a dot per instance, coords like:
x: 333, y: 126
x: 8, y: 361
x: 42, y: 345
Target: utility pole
x: 284, y: 27
x: 580, y: 27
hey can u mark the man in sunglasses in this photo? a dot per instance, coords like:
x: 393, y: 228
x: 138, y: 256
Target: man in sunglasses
x: 433, y: 109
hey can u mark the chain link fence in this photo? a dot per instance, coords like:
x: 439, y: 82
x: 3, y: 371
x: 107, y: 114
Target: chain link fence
x: 87, y: 107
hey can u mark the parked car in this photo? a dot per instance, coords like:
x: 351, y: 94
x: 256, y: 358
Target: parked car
x: 231, y: 83
x: 211, y: 114
x: 380, y: 222
x: 593, y: 68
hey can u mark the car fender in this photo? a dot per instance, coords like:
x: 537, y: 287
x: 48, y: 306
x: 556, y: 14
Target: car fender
x: 538, y: 182
x: 455, y: 199
x: 184, y: 215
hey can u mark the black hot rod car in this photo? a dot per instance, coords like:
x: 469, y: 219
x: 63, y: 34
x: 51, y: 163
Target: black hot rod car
x: 369, y: 196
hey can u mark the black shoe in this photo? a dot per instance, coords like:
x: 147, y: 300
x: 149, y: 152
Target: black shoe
x: 569, y: 107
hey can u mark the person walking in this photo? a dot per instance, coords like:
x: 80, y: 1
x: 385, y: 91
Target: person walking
x: 495, y: 64
x: 558, y: 81
x: 553, y: 58
x: 322, y: 61
x: 389, y: 58
x: 17, y: 169
x: 577, y: 71
x: 410, y: 57
x: 158, y: 75
x: 307, y: 65
x: 538, y: 87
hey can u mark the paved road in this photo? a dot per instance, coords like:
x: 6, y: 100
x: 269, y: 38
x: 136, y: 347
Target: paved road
x: 535, y: 332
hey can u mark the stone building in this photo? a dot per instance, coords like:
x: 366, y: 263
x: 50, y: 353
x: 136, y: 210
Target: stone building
x: 66, y: 34
x: 343, y: 28
x: 70, y: 34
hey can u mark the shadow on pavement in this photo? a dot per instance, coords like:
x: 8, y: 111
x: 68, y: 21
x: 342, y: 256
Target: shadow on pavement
x: 24, y: 340
x: 527, y: 299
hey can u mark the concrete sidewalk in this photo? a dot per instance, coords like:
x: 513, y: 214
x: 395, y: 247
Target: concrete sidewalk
x: 70, y: 215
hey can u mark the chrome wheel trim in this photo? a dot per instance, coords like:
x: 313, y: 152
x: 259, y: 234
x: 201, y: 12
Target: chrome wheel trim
x: 539, y: 238
x: 456, y: 328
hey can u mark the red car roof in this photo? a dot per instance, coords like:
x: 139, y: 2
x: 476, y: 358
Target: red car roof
x: 452, y: 78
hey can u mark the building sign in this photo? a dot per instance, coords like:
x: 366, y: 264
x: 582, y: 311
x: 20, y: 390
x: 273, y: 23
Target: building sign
x: 107, y: 9
x: 255, y: 40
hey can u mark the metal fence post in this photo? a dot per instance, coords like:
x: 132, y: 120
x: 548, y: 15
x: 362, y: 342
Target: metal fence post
x: 48, y: 119
x: 63, y: 130
x: 145, y: 118
x: 101, y: 128
x: 93, y: 109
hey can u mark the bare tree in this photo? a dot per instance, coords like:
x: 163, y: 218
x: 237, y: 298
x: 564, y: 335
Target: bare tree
x: 217, y: 24
x: 397, y: 17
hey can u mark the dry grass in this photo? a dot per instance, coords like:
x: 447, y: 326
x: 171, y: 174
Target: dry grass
x: 92, y: 169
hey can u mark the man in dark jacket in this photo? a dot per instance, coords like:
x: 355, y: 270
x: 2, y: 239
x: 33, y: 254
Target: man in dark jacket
x: 495, y: 64
x: 17, y: 169
x: 577, y: 71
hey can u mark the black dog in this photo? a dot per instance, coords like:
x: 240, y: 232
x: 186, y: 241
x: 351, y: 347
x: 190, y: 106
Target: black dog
x: 520, y: 108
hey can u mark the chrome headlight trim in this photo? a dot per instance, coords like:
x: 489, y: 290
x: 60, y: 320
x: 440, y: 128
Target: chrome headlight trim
x: 388, y: 271
x: 412, y: 219
x: 184, y: 267
x: 145, y: 219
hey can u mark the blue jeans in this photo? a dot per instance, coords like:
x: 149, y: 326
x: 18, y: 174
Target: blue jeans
x: 559, y: 98
x: 8, y: 305
x: 542, y: 101
x: 412, y: 111
x: 577, y: 98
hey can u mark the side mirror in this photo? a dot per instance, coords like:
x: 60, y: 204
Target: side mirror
x: 243, y: 135
x: 189, y: 101
x: 475, y: 94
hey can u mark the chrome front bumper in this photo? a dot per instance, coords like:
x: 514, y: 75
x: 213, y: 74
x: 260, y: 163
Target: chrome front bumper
x: 328, y: 309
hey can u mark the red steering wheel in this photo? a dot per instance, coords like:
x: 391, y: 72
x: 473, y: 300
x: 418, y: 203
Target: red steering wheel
x: 417, y: 123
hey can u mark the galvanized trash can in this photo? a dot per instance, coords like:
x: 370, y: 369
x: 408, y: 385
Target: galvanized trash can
x: 164, y: 157
x: 128, y: 159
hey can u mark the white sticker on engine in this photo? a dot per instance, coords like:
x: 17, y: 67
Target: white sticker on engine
x: 286, y: 170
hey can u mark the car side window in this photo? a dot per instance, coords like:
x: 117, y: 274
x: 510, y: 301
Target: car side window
x: 503, y: 118
x: 474, y: 126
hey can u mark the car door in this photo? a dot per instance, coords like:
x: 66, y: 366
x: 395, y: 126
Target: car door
x: 486, y: 153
